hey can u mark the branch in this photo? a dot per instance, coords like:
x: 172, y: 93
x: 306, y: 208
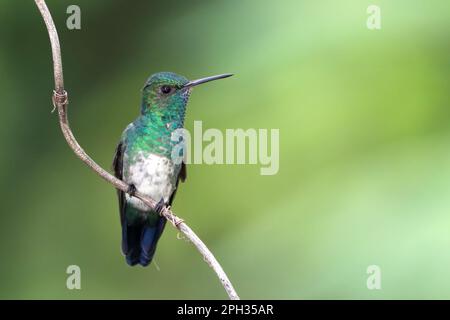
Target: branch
x: 60, y: 101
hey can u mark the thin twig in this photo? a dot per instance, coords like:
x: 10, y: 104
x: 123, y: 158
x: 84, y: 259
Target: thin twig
x: 60, y: 101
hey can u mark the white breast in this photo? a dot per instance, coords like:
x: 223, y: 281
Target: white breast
x: 152, y: 175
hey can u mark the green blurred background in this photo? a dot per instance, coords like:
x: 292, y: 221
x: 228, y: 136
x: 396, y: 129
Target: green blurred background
x: 364, y: 119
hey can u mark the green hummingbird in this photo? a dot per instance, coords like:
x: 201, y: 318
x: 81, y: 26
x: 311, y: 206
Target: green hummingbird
x: 143, y: 159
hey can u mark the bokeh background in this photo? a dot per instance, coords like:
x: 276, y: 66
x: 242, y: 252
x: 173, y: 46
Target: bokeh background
x: 364, y: 119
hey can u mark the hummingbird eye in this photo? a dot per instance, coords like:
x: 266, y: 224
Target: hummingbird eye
x: 166, y: 89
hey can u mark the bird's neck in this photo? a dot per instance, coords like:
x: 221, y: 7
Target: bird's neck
x: 161, y: 122
x: 154, y: 133
x: 170, y: 116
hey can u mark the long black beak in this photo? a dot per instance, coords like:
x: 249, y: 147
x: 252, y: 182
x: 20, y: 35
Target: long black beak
x: 194, y: 83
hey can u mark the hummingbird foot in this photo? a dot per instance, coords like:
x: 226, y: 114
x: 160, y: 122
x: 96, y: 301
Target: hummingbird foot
x: 160, y: 206
x: 131, y: 189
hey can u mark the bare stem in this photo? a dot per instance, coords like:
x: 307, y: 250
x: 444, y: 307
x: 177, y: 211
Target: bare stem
x: 60, y: 101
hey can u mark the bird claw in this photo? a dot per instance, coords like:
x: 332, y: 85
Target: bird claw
x: 131, y: 189
x: 159, y: 207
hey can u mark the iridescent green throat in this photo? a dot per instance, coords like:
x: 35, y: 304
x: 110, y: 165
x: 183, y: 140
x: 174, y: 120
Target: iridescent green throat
x: 152, y: 130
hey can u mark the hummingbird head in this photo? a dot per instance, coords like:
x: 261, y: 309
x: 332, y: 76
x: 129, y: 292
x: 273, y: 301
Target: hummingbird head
x: 165, y: 95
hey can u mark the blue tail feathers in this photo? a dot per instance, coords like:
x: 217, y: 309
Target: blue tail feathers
x: 148, y: 245
x: 139, y: 241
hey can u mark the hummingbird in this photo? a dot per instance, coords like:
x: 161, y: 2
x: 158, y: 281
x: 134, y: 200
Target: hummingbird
x: 143, y: 159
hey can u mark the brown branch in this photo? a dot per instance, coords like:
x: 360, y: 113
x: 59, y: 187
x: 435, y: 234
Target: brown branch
x: 60, y: 102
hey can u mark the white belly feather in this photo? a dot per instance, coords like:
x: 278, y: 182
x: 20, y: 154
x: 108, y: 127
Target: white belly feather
x: 152, y: 175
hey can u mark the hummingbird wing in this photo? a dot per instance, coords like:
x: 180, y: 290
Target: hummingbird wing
x: 130, y: 234
x: 181, y: 176
x: 118, y: 172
